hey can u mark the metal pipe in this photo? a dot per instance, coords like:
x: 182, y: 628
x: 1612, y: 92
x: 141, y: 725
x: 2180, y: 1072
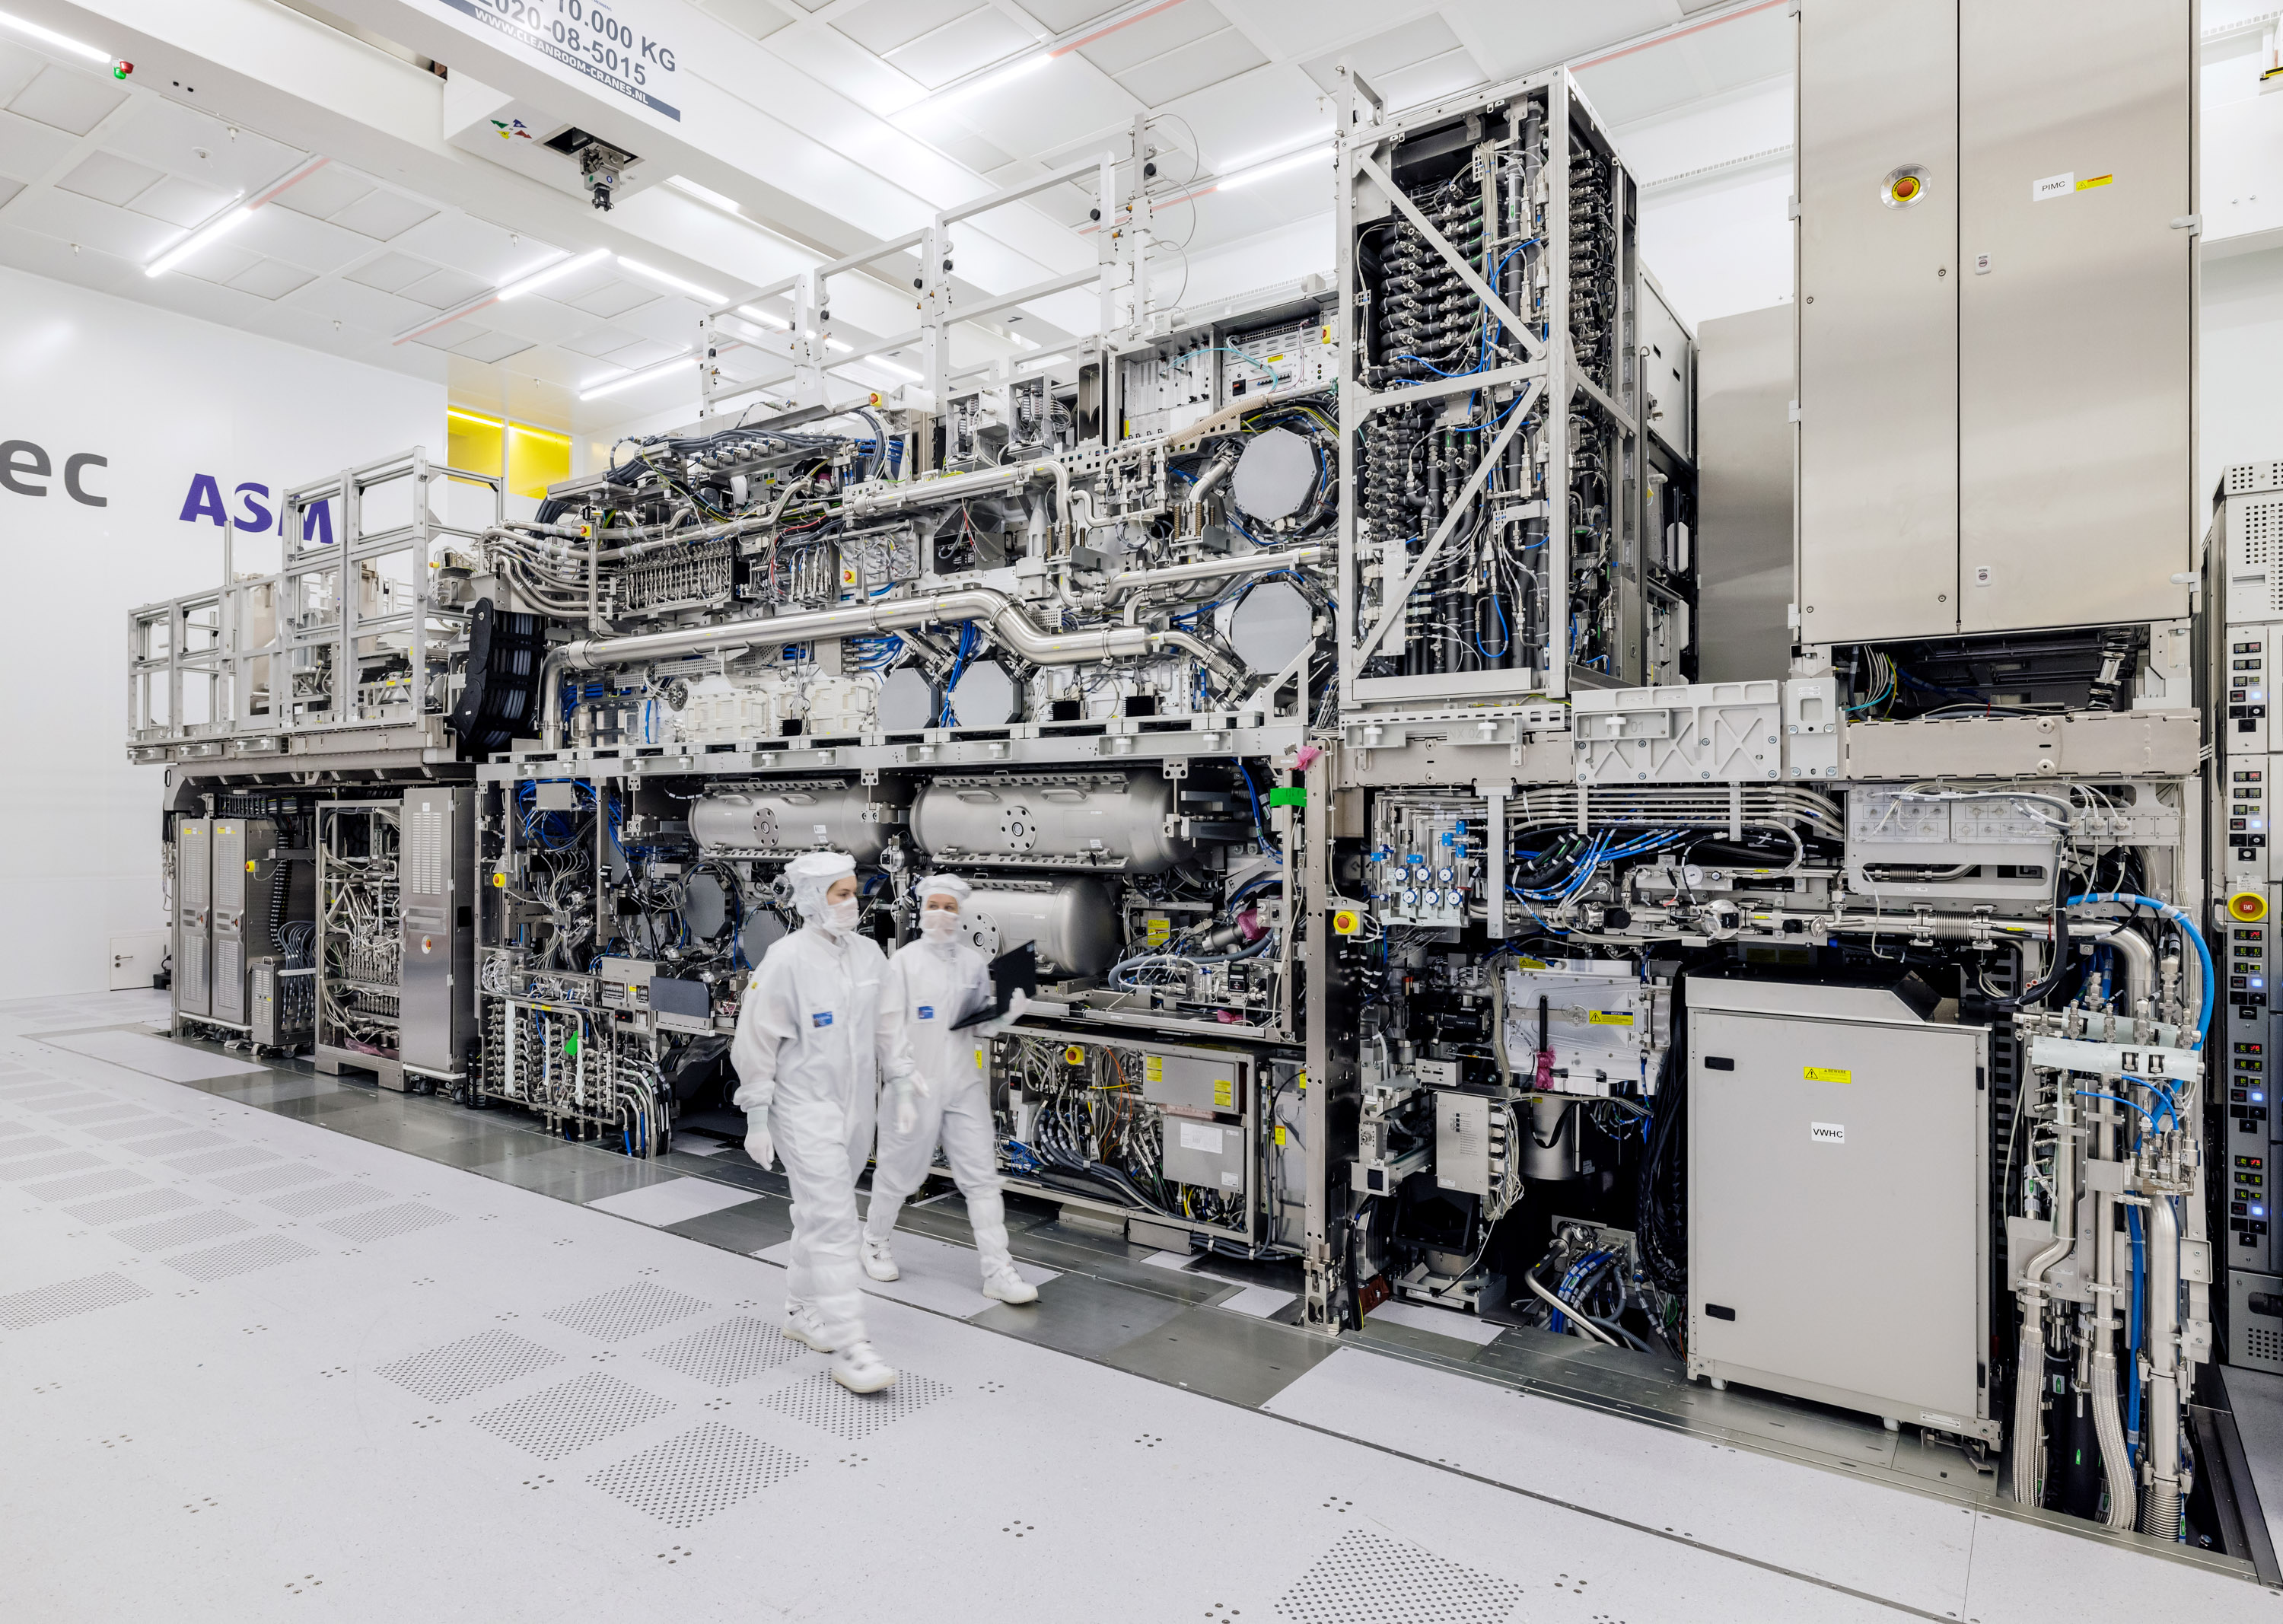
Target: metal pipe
x: 2029, y: 1363
x: 1208, y: 569
x: 2161, y: 1508
x: 2108, y: 1425
x: 1005, y: 620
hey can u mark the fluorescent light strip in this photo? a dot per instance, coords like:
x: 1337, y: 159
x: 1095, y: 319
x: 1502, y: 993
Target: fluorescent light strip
x: 555, y: 272
x: 885, y: 366
x: 213, y: 232
x: 705, y: 295
x: 988, y: 83
x: 704, y: 194
x: 626, y: 380
x: 62, y: 42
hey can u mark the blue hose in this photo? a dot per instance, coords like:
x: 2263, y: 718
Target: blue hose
x: 2186, y: 926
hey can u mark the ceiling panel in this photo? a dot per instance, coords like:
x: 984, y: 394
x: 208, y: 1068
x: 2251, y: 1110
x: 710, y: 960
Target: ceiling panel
x: 361, y: 307
x: 490, y: 347
x: 8, y: 190
x: 446, y: 337
x: 972, y: 43
x: 671, y: 320
x: 645, y: 352
x: 19, y: 66
x: 1519, y: 36
x: 108, y: 179
x: 881, y: 25
x: 74, y: 219
x: 271, y: 279
x: 1065, y: 16
x: 1296, y: 30
x: 311, y: 243
x: 324, y: 192
x: 445, y: 288
x: 539, y: 320
x: 1381, y: 57
x: 29, y: 150
x: 391, y: 272
x: 179, y: 202
x: 64, y: 100
x: 476, y: 246
x: 185, y: 142
x: 219, y: 264
x: 384, y: 214
x: 598, y: 343
x: 1208, y: 61
x: 757, y: 19
x: 615, y: 297
x: 1154, y: 36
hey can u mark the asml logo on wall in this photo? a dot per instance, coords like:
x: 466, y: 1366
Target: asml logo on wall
x: 204, y: 503
x: 26, y: 469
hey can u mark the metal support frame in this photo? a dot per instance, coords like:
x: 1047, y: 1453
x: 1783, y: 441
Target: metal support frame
x: 1551, y: 380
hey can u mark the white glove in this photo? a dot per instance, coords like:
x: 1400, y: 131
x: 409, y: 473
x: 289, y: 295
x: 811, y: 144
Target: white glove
x: 908, y: 1094
x: 1017, y: 1002
x: 759, y: 1145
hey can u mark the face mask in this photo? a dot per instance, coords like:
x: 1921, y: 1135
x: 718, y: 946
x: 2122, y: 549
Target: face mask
x: 841, y: 917
x: 938, y: 925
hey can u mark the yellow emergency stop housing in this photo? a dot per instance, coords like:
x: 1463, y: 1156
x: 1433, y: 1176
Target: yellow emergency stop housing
x: 2247, y: 907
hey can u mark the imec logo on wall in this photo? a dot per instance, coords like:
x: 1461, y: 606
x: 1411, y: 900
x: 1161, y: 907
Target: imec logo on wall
x: 26, y: 470
x: 203, y: 503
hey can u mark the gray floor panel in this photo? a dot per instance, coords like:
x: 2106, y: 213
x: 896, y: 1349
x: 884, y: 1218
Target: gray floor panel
x: 554, y: 1402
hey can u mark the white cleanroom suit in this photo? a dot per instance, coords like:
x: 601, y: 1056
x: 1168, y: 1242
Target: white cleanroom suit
x: 810, y: 1051
x: 934, y: 983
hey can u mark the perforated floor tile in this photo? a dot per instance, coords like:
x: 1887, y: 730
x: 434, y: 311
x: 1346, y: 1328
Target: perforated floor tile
x: 325, y: 1198
x: 241, y: 1257
x: 31, y: 1145
x: 213, y: 1161
x: 825, y: 1404
x: 564, y: 1418
x: 142, y: 1203
x: 254, y: 1181
x: 85, y: 1185
x: 384, y: 1222
x: 189, y: 1141
x: 1368, y: 1578
x: 686, y: 1479
x: 109, y: 1111
x: 724, y: 1354
x: 42, y: 1166
x: 469, y: 1365
x: 135, y: 1128
x: 613, y: 1316
x: 38, y: 1306
x: 212, y: 1225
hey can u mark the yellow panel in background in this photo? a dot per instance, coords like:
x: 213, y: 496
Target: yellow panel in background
x: 473, y: 442
x: 536, y: 458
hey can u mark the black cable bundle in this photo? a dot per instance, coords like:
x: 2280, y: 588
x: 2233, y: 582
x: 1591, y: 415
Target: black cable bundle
x: 1663, y: 1189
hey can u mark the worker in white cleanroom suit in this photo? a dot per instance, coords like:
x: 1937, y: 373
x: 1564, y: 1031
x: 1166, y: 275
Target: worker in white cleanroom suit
x: 934, y: 983
x: 813, y: 1043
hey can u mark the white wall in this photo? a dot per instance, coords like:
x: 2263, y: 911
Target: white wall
x: 2242, y: 360
x: 162, y: 399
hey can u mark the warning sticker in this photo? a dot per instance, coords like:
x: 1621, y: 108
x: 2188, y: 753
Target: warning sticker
x: 1609, y: 1017
x: 1201, y: 1136
x: 1153, y: 1068
x: 1224, y: 1093
x: 1825, y: 1074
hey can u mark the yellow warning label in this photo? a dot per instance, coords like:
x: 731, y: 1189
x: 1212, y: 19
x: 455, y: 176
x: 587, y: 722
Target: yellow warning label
x: 1825, y: 1074
x: 1073, y: 1056
x: 1156, y: 930
x: 2091, y: 181
x: 1279, y: 1133
x: 1153, y: 1068
x: 1531, y: 964
x: 978, y: 1059
x: 1224, y: 1093
x: 1610, y: 1017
